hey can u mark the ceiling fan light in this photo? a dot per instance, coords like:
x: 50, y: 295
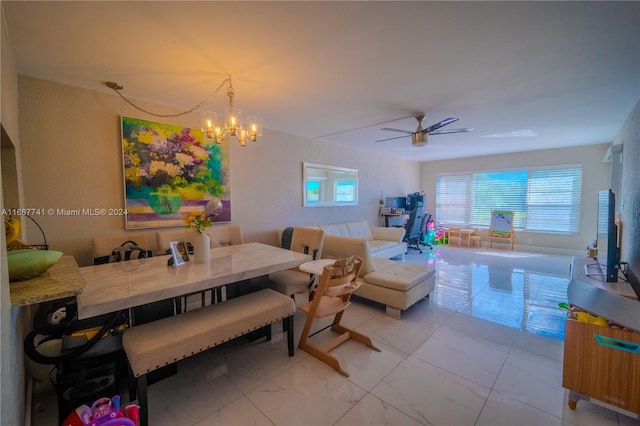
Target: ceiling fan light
x: 419, y: 139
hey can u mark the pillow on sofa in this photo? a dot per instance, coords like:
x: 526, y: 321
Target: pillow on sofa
x: 360, y: 229
x: 338, y: 246
x: 335, y: 229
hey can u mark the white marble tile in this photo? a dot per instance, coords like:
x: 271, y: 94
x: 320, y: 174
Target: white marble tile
x: 360, y: 311
x: 189, y: 396
x: 534, y: 383
x: 404, y: 336
x: 629, y: 420
x: 427, y: 313
x: 239, y: 412
x: 253, y: 363
x: 366, y: 367
x: 432, y: 395
x: 373, y: 411
x: 471, y: 359
x: 589, y: 414
x: 500, y: 410
x: 490, y: 333
x: 308, y: 393
x: 539, y: 348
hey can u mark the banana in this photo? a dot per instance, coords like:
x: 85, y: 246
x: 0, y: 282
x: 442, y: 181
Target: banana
x: 11, y: 228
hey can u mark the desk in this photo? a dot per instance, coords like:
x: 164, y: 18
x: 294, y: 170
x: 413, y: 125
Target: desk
x: 395, y: 219
x: 114, y: 286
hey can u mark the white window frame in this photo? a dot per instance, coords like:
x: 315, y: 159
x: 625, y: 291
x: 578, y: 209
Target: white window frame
x: 544, y: 199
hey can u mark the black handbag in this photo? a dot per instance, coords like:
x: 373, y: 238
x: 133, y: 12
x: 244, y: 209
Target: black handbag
x: 129, y: 250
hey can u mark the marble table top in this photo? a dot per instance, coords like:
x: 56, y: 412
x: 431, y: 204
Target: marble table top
x: 114, y: 286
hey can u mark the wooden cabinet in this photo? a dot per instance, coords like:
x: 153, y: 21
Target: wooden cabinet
x: 602, y: 363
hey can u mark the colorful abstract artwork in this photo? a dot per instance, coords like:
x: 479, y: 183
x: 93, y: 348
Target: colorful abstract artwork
x: 171, y: 171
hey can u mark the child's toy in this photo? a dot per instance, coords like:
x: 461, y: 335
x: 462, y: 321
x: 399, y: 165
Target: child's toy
x: 103, y: 412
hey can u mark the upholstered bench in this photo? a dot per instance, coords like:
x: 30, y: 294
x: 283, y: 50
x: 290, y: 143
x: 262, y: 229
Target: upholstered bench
x: 397, y: 285
x: 156, y: 344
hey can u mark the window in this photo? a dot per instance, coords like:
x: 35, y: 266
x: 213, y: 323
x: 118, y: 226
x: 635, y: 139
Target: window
x: 345, y: 190
x: 543, y: 200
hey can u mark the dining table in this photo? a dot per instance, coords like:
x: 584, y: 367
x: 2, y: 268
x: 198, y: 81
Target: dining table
x: 116, y: 286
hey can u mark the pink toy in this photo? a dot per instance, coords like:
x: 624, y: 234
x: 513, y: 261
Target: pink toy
x: 103, y: 412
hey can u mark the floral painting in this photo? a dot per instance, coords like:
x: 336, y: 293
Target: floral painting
x: 171, y: 171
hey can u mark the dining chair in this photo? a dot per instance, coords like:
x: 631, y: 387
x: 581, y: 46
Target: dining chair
x: 225, y: 235
x: 164, y: 237
x: 332, y: 296
x: 302, y: 240
x: 475, y: 238
x: 455, y: 236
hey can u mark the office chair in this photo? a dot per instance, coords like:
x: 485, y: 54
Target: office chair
x: 413, y: 226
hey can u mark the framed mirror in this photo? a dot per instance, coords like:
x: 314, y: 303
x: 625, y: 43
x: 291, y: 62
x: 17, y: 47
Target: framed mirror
x: 329, y: 186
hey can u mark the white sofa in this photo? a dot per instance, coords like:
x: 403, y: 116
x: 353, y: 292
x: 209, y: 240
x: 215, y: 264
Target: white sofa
x: 398, y: 285
x: 383, y: 242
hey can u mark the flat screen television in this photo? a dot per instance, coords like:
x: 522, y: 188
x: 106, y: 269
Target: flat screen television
x: 608, y: 251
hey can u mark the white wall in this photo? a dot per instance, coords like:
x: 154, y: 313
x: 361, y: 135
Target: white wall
x: 72, y: 158
x: 628, y: 199
x: 13, y: 320
x: 595, y: 177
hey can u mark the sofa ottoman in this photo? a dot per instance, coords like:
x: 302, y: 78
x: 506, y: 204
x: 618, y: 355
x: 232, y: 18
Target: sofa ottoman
x: 397, y: 285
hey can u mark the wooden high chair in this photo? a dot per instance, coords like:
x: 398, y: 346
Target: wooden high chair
x: 331, y: 297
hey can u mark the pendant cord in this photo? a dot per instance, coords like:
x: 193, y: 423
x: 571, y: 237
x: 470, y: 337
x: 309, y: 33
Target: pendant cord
x: 117, y: 87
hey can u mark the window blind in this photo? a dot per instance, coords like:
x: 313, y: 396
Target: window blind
x: 543, y: 200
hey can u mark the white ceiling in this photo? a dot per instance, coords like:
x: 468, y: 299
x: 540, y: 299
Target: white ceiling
x: 566, y: 72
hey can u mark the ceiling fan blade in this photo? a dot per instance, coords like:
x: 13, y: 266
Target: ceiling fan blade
x: 390, y: 129
x: 445, y: 132
x: 397, y: 137
x: 439, y: 124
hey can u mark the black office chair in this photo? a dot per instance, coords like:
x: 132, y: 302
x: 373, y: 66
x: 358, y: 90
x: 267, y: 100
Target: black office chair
x: 413, y: 228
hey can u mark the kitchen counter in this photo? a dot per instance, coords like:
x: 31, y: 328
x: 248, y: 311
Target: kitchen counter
x: 61, y: 280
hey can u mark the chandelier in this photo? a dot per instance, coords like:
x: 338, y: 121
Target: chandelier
x: 232, y: 124
x: 215, y: 128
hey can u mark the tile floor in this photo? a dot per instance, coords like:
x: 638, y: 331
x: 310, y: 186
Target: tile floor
x: 485, y: 349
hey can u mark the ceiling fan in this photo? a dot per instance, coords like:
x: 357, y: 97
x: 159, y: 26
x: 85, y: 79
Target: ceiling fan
x: 420, y: 136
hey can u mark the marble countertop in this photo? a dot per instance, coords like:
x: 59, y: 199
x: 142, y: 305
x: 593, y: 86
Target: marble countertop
x: 61, y: 280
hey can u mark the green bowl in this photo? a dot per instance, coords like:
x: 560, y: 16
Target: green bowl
x: 27, y: 264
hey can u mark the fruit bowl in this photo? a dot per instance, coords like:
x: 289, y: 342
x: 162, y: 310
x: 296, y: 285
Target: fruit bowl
x: 27, y: 264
